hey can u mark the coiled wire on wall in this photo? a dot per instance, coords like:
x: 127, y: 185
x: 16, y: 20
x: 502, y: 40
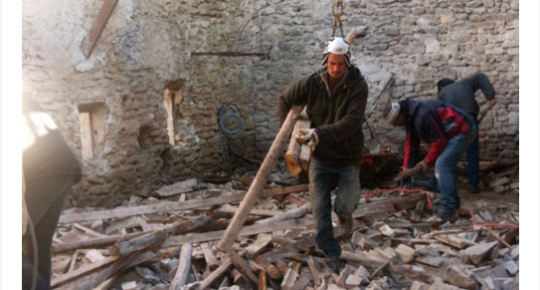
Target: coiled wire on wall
x: 225, y: 113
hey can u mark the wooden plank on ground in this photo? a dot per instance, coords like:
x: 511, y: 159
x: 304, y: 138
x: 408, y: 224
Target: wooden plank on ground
x: 94, y: 243
x: 156, y: 238
x: 258, y: 246
x: 291, y: 214
x: 89, y: 282
x: 388, y: 205
x: 246, y: 231
x: 217, y: 274
x: 88, y: 231
x: 259, y: 212
x: 363, y: 260
x: 315, y: 273
x: 84, y: 270
x: 243, y: 267
x: 184, y: 265
x: 286, y: 251
x: 174, y: 206
x: 211, y: 261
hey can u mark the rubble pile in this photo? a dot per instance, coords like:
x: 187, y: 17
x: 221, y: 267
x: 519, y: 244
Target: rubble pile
x: 169, y: 242
x: 500, y: 176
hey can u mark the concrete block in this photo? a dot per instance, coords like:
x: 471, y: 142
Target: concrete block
x: 407, y: 254
x: 512, y: 267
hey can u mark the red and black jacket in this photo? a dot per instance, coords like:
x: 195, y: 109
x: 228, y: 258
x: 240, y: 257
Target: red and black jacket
x: 432, y: 121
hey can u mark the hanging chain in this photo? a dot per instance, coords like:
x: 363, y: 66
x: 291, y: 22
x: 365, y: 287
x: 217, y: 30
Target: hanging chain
x: 337, y: 17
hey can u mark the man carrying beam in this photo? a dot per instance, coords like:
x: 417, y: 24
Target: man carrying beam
x: 335, y: 97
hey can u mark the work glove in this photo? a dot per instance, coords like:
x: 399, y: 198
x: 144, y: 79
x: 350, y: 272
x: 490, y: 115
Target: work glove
x: 419, y: 168
x: 308, y: 136
x: 407, y: 172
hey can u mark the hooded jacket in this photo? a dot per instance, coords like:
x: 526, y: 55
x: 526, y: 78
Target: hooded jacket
x: 432, y: 121
x: 338, y: 116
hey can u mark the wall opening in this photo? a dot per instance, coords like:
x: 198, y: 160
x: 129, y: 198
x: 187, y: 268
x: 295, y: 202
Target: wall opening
x: 171, y: 101
x: 92, y: 124
x: 169, y: 107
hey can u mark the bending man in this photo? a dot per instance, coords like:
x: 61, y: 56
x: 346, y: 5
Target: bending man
x: 449, y: 130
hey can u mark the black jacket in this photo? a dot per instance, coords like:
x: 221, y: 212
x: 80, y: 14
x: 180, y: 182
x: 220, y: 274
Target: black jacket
x: 461, y: 94
x: 338, y: 118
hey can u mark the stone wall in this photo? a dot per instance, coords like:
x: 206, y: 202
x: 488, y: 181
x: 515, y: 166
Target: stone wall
x: 185, y: 47
x: 421, y: 42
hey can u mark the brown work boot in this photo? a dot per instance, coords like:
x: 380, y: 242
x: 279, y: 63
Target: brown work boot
x: 345, y: 227
x: 332, y: 265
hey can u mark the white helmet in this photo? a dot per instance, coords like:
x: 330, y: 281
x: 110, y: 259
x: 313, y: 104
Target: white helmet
x: 391, y: 112
x: 337, y: 46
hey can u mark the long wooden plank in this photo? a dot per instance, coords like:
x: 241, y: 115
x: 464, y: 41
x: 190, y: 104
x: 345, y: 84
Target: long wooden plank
x: 174, y: 206
x: 93, y: 280
x: 184, y: 264
x: 157, y: 237
x: 388, y: 205
x: 259, y: 212
x: 89, y: 43
x: 231, y: 233
x: 94, y: 243
x: 211, y: 261
x: 293, y: 213
x: 246, y: 231
x: 84, y: 270
x: 365, y: 261
x: 243, y: 267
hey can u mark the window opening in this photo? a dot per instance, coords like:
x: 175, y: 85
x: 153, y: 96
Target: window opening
x: 92, y: 124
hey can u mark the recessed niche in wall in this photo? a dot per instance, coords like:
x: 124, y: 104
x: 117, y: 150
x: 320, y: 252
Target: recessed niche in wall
x: 92, y: 123
x: 144, y: 138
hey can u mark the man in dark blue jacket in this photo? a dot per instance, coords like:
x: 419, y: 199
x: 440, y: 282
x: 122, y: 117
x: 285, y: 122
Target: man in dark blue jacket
x: 462, y: 95
x: 449, y: 130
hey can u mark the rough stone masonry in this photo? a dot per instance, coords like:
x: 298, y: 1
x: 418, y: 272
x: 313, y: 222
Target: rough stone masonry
x: 153, y: 52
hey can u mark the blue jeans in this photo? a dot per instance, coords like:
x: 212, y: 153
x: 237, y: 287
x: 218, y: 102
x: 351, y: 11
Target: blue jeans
x: 445, y: 171
x: 473, y: 160
x: 323, y: 178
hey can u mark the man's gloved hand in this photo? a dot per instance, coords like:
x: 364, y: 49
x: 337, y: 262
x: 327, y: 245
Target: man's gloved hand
x: 407, y: 172
x: 308, y: 136
x: 421, y: 167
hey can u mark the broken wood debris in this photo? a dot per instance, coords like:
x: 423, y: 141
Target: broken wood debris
x: 276, y: 247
